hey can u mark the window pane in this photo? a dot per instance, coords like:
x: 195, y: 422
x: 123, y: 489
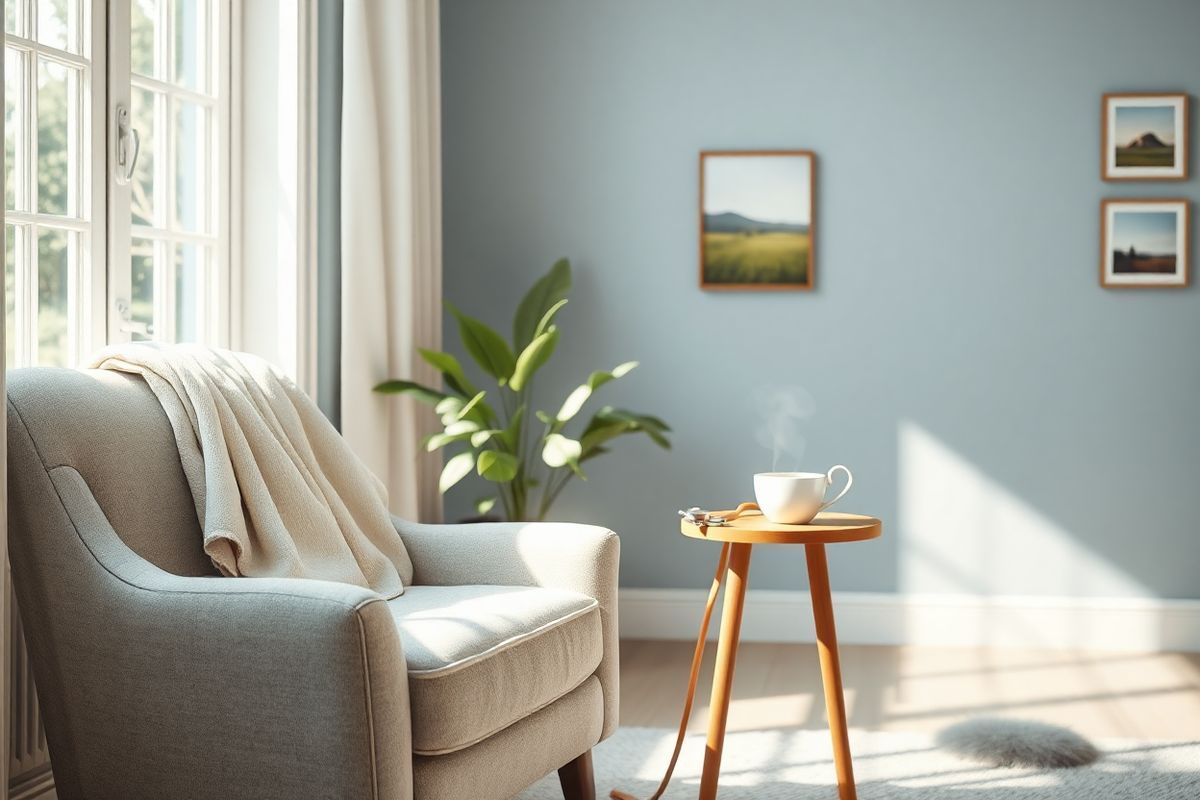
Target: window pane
x: 56, y: 252
x: 142, y: 297
x: 190, y: 262
x: 13, y: 124
x: 12, y: 17
x: 57, y: 113
x: 144, y: 37
x: 190, y: 18
x: 10, y: 296
x: 191, y: 177
x: 58, y: 24
x: 141, y: 113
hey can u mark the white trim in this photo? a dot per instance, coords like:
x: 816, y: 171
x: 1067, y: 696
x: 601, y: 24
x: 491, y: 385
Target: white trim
x: 1053, y: 623
x: 231, y: 80
x: 306, y: 198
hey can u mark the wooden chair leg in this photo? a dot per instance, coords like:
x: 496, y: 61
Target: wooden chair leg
x: 578, y: 781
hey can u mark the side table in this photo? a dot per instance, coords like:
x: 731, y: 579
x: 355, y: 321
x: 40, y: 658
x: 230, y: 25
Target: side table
x: 740, y: 535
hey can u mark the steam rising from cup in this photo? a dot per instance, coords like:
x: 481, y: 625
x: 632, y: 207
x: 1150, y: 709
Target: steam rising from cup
x: 782, y: 412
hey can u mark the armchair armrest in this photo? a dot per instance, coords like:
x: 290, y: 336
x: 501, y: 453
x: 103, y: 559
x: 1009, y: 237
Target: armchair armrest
x: 558, y: 555
x: 219, y: 687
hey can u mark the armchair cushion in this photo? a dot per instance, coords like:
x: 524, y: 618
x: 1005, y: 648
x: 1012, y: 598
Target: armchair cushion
x: 483, y: 657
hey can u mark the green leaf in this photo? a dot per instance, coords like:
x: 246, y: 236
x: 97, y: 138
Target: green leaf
x: 559, y: 451
x: 581, y: 393
x: 595, y: 451
x: 486, y: 346
x: 533, y: 357
x: 541, y: 297
x: 452, y: 408
x: 480, y: 438
x: 452, y: 371
x: 496, y: 466
x: 544, y: 323
x: 440, y: 440
x: 484, y: 504
x: 422, y: 393
x: 470, y: 405
x: 593, y: 437
x: 467, y: 426
x: 455, y: 470
x: 609, y: 422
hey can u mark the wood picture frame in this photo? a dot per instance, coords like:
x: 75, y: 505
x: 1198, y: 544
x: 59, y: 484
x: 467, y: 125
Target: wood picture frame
x: 757, y: 220
x: 1145, y: 243
x: 1144, y: 136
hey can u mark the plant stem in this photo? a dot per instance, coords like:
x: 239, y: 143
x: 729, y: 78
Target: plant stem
x: 504, y: 501
x: 551, y: 494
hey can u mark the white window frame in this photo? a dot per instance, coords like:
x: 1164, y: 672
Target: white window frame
x: 87, y: 275
x: 99, y: 276
x: 217, y: 320
x: 274, y: 192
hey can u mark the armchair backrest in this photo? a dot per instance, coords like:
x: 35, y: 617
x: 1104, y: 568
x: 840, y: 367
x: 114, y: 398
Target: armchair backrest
x: 109, y: 427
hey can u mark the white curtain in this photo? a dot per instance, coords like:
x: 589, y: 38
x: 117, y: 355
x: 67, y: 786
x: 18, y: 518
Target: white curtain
x: 391, y: 239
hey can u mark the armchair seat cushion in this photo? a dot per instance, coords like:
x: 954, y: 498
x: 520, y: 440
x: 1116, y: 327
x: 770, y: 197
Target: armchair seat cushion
x: 483, y: 657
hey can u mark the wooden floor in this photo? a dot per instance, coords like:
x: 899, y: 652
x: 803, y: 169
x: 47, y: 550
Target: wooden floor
x: 1132, y: 696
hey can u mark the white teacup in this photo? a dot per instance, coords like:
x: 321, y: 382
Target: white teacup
x: 794, y: 498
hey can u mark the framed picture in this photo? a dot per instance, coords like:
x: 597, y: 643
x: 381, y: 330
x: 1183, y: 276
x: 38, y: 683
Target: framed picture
x: 1145, y: 137
x: 1145, y: 243
x: 756, y: 219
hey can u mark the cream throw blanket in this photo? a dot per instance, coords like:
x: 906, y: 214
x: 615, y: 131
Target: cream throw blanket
x: 278, y: 491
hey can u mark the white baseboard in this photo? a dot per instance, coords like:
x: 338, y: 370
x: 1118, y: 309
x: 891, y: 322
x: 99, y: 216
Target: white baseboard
x: 1102, y: 623
x: 38, y: 787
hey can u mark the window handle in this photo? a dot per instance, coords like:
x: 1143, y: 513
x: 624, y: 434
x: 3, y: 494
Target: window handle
x: 129, y: 144
x: 128, y: 323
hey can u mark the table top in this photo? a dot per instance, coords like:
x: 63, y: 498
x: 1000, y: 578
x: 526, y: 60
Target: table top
x: 828, y: 527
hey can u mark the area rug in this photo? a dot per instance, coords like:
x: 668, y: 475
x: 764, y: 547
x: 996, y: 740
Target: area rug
x: 772, y: 765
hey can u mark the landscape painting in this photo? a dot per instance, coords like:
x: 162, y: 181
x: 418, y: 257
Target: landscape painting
x: 756, y: 219
x: 1145, y: 137
x: 1145, y: 243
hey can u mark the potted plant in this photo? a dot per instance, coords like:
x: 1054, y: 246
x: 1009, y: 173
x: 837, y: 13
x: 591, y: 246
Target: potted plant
x: 529, y: 454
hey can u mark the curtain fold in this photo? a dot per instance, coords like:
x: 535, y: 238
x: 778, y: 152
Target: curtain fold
x: 391, y: 251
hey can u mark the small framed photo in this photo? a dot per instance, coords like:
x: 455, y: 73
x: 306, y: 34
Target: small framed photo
x: 1145, y: 137
x: 1145, y: 243
x: 756, y: 219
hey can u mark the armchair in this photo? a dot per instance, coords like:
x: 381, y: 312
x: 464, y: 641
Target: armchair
x: 160, y: 679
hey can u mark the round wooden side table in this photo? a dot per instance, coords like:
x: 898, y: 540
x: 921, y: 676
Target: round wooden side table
x: 742, y: 534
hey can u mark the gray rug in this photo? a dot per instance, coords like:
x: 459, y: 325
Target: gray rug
x: 772, y: 765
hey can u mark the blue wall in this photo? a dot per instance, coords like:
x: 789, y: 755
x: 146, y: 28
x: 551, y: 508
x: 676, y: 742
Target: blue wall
x: 1019, y: 429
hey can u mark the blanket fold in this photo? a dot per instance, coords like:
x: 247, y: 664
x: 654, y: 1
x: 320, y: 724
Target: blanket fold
x: 278, y: 492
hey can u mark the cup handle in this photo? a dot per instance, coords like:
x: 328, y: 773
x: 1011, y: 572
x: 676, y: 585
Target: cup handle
x: 829, y: 482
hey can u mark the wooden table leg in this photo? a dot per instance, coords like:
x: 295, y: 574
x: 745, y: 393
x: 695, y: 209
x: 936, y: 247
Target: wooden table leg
x: 831, y: 670
x: 727, y: 647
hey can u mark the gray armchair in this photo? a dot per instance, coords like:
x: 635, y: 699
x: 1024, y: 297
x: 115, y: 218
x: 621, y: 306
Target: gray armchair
x: 159, y: 679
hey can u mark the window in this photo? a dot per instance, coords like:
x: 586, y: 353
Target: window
x: 167, y: 225
x: 103, y: 249
x: 54, y: 204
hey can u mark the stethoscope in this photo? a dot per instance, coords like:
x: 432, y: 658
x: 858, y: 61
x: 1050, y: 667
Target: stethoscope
x: 715, y: 519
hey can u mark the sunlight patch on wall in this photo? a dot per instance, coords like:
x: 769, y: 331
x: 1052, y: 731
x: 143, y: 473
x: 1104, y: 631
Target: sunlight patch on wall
x: 963, y: 532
